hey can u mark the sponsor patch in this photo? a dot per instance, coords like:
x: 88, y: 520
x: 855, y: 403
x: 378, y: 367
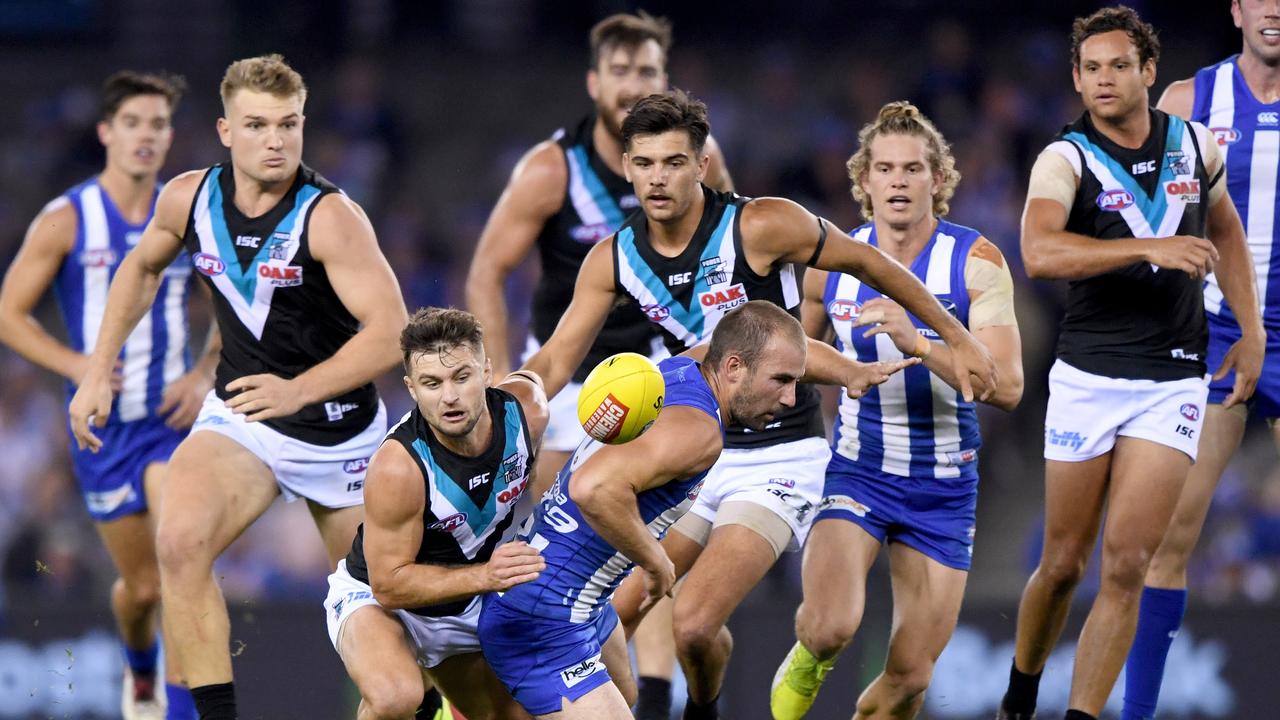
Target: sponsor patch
x: 1225, y: 135
x: 577, y: 673
x: 656, y: 313
x: 1179, y: 163
x: 208, y: 265
x: 1115, y: 200
x: 1188, y: 191
x: 963, y: 457
x: 449, y: 524
x: 1269, y: 118
x: 281, y: 275
x: 110, y: 500
x: 843, y: 502
x: 590, y: 232
x: 606, y: 422
x: 1070, y: 439
x: 713, y: 271
x: 726, y: 299
x: 843, y: 310
x: 353, y: 467
x: 105, y: 257
x: 336, y: 410
x: 1190, y: 411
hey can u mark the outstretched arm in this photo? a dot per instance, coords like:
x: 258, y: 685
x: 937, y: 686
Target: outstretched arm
x: 343, y: 240
x: 533, y: 195
x: 394, y: 501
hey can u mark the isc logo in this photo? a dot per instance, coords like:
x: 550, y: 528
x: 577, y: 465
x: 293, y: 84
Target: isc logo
x: 210, y: 265
x: 843, y: 310
x: 1115, y: 200
x: 606, y: 421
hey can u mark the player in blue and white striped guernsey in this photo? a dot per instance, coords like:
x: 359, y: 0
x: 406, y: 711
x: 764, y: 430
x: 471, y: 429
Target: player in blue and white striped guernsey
x: 556, y: 642
x: 75, y: 245
x: 1238, y: 99
x: 904, y: 468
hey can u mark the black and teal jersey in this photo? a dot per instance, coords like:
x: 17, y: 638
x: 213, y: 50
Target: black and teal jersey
x: 276, y: 310
x: 470, y: 500
x: 687, y: 295
x: 597, y: 202
x: 1139, y: 321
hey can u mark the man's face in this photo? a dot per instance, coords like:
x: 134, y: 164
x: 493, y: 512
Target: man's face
x: 1259, y: 22
x: 763, y: 391
x: 623, y: 75
x: 1112, y: 83
x: 448, y: 387
x: 264, y: 134
x: 665, y: 172
x: 138, y: 136
x: 899, y: 182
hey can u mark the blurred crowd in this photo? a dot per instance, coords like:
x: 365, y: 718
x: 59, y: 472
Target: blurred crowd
x: 423, y: 129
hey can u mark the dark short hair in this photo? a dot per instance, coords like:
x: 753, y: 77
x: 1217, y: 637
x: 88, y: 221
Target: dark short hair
x: 1120, y: 17
x: 667, y: 111
x: 126, y: 84
x: 745, y: 331
x: 629, y: 31
x: 440, y: 330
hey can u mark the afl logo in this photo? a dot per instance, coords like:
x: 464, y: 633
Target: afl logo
x: 1115, y: 200
x: 355, y: 466
x: 843, y: 310
x: 656, y: 313
x: 1225, y: 135
x: 207, y: 264
x: 1190, y: 411
x: 449, y: 524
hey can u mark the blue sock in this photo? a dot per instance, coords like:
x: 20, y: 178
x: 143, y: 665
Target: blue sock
x: 142, y: 662
x: 181, y: 704
x: 1159, y: 617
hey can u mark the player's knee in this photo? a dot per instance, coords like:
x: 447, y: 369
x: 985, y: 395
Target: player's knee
x: 696, y: 637
x: 143, y: 592
x: 908, y: 680
x: 826, y: 634
x: 392, y: 698
x: 181, y: 548
x: 1125, y: 569
x: 1062, y: 570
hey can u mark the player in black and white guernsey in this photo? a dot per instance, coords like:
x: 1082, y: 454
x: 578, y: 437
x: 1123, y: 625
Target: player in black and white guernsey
x: 1129, y: 205
x: 440, y: 498
x: 309, y: 312
x: 564, y: 196
x: 693, y: 255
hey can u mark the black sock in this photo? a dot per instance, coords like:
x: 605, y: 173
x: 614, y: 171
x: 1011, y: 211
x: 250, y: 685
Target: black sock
x: 215, y: 702
x: 431, y: 704
x: 1022, y: 692
x: 694, y: 711
x: 1079, y: 715
x: 654, y: 701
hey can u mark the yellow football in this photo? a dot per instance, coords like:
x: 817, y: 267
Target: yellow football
x: 621, y: 398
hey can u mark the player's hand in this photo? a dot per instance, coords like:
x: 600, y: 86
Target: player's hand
x: 658, y: 581
x: 970, y: 357
x: 1245, y: 357
x: 181, y: 401
x: 91, y: 405
x: 80, y: 368
x: 1192, y: 255
x: 511, y: 564
x: 263, y: 397
x: 887, y: 317
x: 864, y: 376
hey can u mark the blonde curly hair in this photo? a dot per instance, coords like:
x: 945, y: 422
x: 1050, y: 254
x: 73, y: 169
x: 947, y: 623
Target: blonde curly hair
x: 903, y: 118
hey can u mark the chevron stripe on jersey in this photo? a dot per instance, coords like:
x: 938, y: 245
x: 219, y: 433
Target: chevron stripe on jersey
x: 250, y: 299
x: 1248, y: 135
x: 914, y: 425
x: 691, y: 321
x: 155, y: 353
x: 1148, y: 216
x: 591, y: 199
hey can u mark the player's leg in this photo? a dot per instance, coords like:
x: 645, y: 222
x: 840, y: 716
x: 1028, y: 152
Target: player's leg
x: 215, y: 489
x: 838, y: 554
x: 1074, y: 496
x: 655, y: 649
x: 926, y: 606
x: 1146, y: 480
x: 601, y: 703
x: 337, y: 528
x: 736, y: 558
x: 1164, y: 597
x: 381, y: 661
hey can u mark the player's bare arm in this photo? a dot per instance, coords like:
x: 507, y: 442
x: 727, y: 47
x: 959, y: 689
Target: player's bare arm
x: 991, y: 320
x: 1235, y: 275
x: 717, y: 177
x: 49, y: 239
x: 133, y: 290
x: 526, y: 386
x: 683, y: 441
x: 780, y: 231
x: 533, y: 195
x: 1049, y: 252
x: 1179, y: 98
x: 813, y: 309
x: 343, y: 240
x: 594, y: 295
x: 394, y: 500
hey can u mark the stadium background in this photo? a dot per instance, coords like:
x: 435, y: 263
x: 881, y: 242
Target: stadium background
x: 419, y: 110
